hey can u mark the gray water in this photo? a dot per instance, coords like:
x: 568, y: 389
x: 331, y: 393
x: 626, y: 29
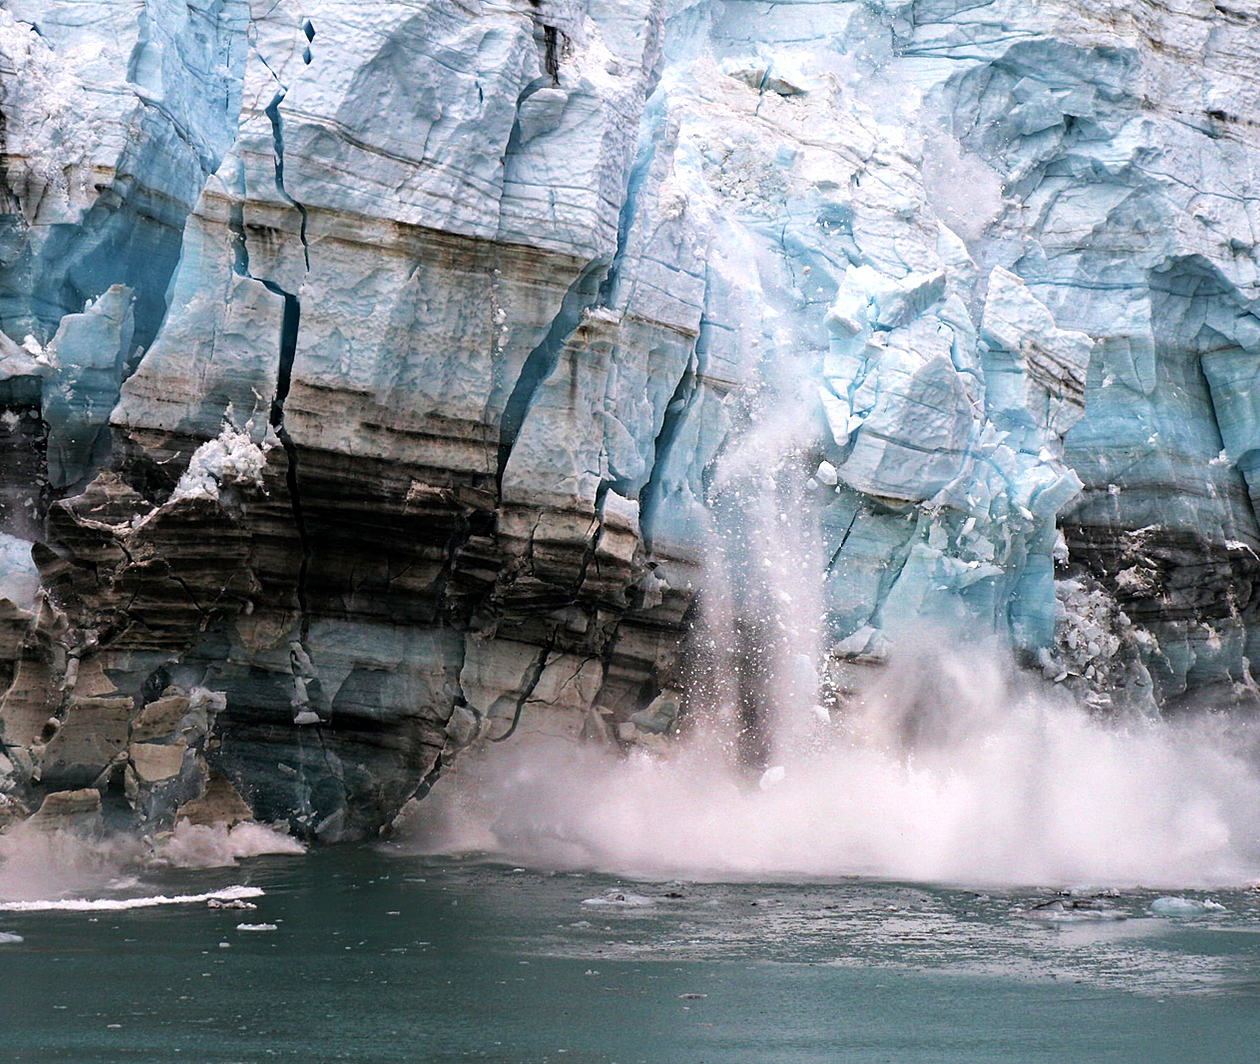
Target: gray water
x: 379, y: 955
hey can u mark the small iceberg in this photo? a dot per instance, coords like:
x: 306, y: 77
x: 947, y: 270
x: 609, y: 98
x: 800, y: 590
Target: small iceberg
x: 622, y: 899
x: 231, y: 903
x: 1170, y: 905
x: 1072, y: 911
x: 256, y: 927
x: 10, y: 938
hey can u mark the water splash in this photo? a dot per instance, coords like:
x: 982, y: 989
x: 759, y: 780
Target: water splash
x: 948, y: 765
x: 35, y: 863
x: 91, y: 905
x: 39, y: 867
x: 949, y: 769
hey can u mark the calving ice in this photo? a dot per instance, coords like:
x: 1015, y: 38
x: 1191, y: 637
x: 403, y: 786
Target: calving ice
x: 385, y: 381
x: 782, y: 476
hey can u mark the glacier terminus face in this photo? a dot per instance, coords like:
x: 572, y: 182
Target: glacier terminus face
x: 377, y: 380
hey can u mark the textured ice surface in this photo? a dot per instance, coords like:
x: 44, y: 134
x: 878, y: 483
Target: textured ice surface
x: 1170, y: 905
x: 19, y: 579
x: 504, y: 296
x: 231, y: 457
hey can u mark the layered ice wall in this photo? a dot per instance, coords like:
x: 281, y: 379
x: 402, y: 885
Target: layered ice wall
x: 378, y: 379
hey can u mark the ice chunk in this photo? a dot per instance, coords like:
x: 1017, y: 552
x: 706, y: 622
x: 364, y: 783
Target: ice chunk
x: 619, y: 899
x: 1072, y: 911
x: 232, y: 457
x: 660, y: 715
x: 1177, y: 905
x: 19, y: 579
x: 772, y: 777
x: 838, y: 415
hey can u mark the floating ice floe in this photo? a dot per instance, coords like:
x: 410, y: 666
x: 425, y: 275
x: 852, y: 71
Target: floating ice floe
x: 256, y: 927
x: 234, y: 903
x: 10, y: 938
x: 622, y: 899
x: 1072, y: 911
x: 1170, y: 905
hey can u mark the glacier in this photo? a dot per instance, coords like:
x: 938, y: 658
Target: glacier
x: 378, y: 380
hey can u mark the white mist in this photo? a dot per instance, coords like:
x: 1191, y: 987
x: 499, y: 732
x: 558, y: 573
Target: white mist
x: 985, y: 785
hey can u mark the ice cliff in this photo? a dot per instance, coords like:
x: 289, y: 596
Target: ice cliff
x: 374, y: 376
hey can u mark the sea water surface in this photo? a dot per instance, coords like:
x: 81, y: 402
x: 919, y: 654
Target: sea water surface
x: 371, y: 953
x: 1027, y: 884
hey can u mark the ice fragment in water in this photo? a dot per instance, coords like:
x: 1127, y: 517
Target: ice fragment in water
x: 1072, y: 910
x: 619, y: 899
x: 1170, y: 905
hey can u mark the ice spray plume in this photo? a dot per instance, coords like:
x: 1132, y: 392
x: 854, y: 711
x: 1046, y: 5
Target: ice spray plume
x: 762, y: 617
x: 43, y: 867
x: 950, y: 765
x: 947, y: 770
